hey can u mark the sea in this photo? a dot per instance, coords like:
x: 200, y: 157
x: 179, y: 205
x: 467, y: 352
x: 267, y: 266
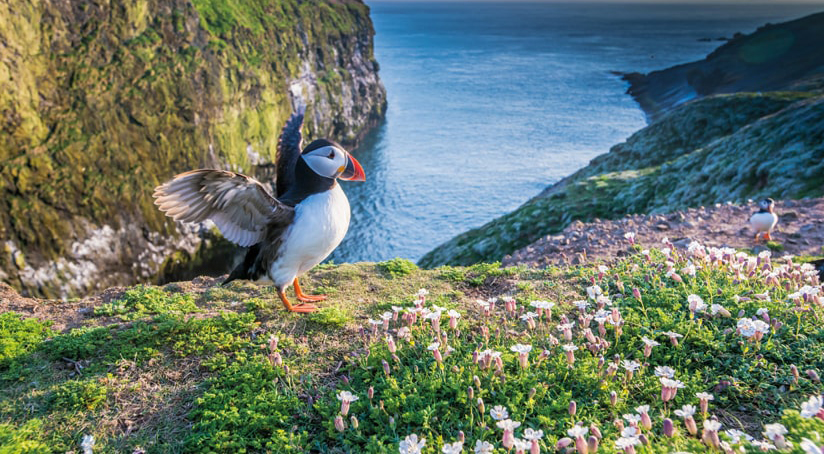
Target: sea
x: 489, y: 103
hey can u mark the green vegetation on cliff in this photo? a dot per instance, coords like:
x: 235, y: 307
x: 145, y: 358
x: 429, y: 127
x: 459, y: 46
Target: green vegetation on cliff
x: 195, y: 367
x: 717, y: 149
x: 101, y: 102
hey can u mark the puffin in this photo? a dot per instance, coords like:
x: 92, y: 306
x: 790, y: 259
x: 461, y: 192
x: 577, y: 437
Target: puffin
x: 764, y: 220
x: 287, y: 233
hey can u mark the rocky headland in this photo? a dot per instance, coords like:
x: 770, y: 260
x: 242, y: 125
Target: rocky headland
x: 717, y: 148
x: 101, y: 102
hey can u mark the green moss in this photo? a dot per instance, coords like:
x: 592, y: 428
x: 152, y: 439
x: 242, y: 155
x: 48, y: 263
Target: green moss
x: 397, y: 267
x: 19, y: 336
x: 78, y: 395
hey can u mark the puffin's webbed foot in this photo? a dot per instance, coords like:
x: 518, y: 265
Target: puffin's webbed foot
x: 306, y: 298
x: 303, y: 308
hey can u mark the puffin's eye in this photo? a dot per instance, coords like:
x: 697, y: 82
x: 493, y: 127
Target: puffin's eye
x: 331, y: 154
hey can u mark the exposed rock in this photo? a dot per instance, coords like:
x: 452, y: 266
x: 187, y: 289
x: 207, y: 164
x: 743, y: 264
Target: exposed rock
x: 102, y: 101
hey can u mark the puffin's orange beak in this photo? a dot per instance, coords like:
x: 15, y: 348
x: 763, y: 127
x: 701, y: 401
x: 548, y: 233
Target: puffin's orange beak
x: 353, y: 170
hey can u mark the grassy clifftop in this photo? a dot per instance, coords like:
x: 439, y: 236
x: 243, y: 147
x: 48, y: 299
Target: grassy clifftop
x: 195, y: 367
x: 718, y: 149
x: 102, y: 101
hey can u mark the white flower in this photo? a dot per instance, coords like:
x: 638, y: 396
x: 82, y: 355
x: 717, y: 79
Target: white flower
x: 629, y: 432
x: 411, y: 445
x: 626, y: 442
x: 452, y: 448
x: 483, y: 447
x: 508, y: 424
x: 433, y: 315
x: 594, y: 291
x: 434, y: 346
x: 712, y: 425
x: 649, y: 342
x: 453, y: 313
x: 565, y: 326
x: 530, y: 434
x: 498, y: 412
x: 704, y: 396
x: 632, y: 419
x: 664, y: 371
x: 670, y: 383
x: 716, y: 308
x: 746, y: 326
x: 810, y: 447
x: 672, y: 334
x: 763, y: 445
x: 602, y: 269
x: 689, y: 270
x: 521, y: 445
x: 386, y: 316
x: 581, y: 305
x: 736, y: 436
x: 528, y: 316
x: 396, y: 308
x: 685, y: 411
x: 642, y: 409
x: 630, y: 365
x: 87, y: 443
x: 762, y: 311
x: 696, y: 303
x: 375, y: 322
x: 772, y: 431
x: 629, y: 235
x: 521, y: 348
x: 570, y: 347
x: 811, y: 407
x: 578, y: 431
x: 346, y: 396
x: 423, y: 292
x: 542, y: 304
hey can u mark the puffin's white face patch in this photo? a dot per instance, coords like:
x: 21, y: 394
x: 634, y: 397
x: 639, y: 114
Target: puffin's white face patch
x: 326, y: 161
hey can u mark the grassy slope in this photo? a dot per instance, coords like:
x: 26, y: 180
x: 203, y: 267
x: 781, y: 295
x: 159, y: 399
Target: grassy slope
x: 717, y: 149
x: 190, y: 367
x: 101, y: 102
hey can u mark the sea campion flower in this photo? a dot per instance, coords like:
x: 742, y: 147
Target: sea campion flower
x: 813, y: 408
x: 523, y: 353
x: 579, y: 433
x: 633, y: 420
x: 704, y: 399
x: 594, y: 291
x: 687, y: 412
x: 696, y: 304
x: 570, y: 353
x: 390, y: 344
x: 346, y: 398
x: 664, y: 371
x: 809, y: 447
x: 339, y: 426
x: 710, y: 433
x: 435, y: 349
x: 646, y: 421
x: 674, y: 276
x: 630, y: 236
x: 509, y: 426
x: 636, y: 293
x: 627, y: 444
x: 719, y: 309
x: 669, y: 388
x: 532, y: 436
x: 483, y: 447
x: 509, y: 304
x: 453, y: 318
x: 543, y: 307
x: 648, y: 344
x: 736, y: 436
x: 498, y: 413
x: 567, y: 329
x: 776, y: 432
x: 529, y: 319
x: 668, y: 427
x: 412, y: 445
x: 452, y: 448
x: 422, y: 297
x: 673, y: 337
x: 631, y: 366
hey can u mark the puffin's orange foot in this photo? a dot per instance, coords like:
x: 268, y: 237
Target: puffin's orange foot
x: 302, y: 308
x: 767, y: 236
x: 304, y: 297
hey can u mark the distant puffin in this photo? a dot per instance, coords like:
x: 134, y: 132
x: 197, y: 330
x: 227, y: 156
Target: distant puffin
x: 287, y: 234
x: 764, y: 220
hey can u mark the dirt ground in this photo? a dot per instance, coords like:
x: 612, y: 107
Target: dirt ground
x: 800, y: 231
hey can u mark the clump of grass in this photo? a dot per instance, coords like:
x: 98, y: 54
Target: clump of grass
x: 397, y: 267
x: 775, y: 246
x: 141, y: 301
x: 27, y: 438
x: 78, y: 395
x: 331, y: 316
x: 19, y: 336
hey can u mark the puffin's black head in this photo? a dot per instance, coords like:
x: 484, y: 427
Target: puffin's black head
x: 767, y: 204
x: 329, y: 160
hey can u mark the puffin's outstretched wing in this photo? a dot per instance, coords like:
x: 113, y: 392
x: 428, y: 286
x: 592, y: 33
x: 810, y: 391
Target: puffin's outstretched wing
x: 239, y: 205
x: 289, y: 146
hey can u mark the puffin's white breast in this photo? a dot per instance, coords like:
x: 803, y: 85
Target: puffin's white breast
x: 321, y: 221
x: 763, y: 221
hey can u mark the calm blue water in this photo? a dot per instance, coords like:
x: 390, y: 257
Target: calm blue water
x: 491, y: 102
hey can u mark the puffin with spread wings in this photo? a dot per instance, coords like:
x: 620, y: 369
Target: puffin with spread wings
x: 288, y: 233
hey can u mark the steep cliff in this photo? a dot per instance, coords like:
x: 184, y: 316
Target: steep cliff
x: 717, y: 149
x: 101, y: 101
x: 785, y: 56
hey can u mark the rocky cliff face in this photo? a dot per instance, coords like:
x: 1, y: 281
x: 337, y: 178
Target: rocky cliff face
x: 786, y: 56
x: 102, y: 101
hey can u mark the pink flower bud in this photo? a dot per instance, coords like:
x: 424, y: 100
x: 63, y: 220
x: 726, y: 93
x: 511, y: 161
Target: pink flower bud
x: 581, y: 445
x: 339, y: 423
x: 689, y: 421
x: 636, y: 293
x: 370, y: 393
x: 595, y: 431
x: 563, y: 443
x: 461, y: 436
x: 592, y: 443
x: 477, y: 381
x: 508, y: 439
x: 669, y: 428
x: 613, y: 398
x: 385, y: 367
x: 813, y: 376
x: 573, y: 407
x: 646, y: 422
x: 354, y: 421
x: 795, y: 373
x: 481, y: 407
x: 643, y: 439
